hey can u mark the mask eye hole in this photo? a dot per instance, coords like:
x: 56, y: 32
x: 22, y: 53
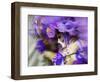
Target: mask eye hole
x: 59, y: 36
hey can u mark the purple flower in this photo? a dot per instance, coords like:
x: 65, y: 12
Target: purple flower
x: 40, y: 46
x: 58, y: 59
x: 80, y: 56
x: 50, y: 31
x: 47, y: 25
x: 67, y: 26
x: 61, y: 27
